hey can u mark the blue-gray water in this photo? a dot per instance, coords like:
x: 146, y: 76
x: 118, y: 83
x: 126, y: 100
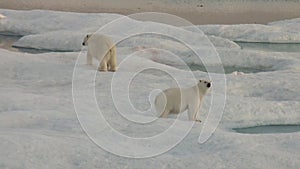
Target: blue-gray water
x: 269, y: 129
x: 227, y: 69
x: 6, y: 42
x: 271, y: 47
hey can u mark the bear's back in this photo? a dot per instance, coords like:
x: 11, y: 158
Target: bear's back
x: 99, y: 45
x: 100, y: 38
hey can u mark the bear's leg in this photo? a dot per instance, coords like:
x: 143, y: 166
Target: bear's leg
x: 192, y: 113
x: 104, y: 62
x: 196, y: 116
x: 112, y: 59
x: 103, y: 66
x: 89, y: 58
x: 165, y: 113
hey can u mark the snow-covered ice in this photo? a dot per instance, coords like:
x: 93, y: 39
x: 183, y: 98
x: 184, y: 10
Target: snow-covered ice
x: 39, y: 127
x: 290, y: 25
x: 272, y: 33
x: 46, y: 32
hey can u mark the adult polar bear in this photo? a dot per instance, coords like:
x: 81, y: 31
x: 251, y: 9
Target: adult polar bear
x: 102, y: 48
x: 176, y: 100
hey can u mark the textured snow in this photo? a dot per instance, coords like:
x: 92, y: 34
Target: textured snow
x: 46, y: 32
x: 272, y: 33
x: 291, y: 25
x: 56, y: 40
x: 40, y: 117
x: 72, y: 40
x: 39, y: 127
x: 223, y: 43
x: 41, y: 21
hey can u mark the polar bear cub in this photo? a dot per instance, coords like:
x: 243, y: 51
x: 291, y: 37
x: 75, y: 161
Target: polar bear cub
x: 177, y: 100
x: 102, y: 48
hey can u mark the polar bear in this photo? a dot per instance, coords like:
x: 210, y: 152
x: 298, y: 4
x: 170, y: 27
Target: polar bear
x: 102, y: 48
x: 177, y: 100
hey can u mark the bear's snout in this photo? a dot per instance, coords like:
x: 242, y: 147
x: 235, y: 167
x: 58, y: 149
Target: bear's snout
x: 208, y: 85
x: 83, y: 44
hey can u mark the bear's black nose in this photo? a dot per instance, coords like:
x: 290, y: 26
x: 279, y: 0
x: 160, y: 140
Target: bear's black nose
x: 83, y: 43
x: 208, y: 85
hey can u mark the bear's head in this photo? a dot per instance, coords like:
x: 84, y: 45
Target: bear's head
x: 85, y: 40
x: 204, y: 85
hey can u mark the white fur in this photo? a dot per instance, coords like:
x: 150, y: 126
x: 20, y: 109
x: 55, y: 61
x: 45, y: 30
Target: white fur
x: 102, y: 48
x: 2, y: 16
x: 177, y: 100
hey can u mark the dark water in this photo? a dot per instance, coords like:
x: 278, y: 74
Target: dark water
x: 226, y: 69
x: 7, y: 42
x: 271, y: 47
x: 35, y: 51
x: 269, y: 129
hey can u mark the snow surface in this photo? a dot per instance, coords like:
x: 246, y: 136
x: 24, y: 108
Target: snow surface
x: 39, y: 127
x: 46, y: 32
x: 291, y: 25
x: 272, y: 33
